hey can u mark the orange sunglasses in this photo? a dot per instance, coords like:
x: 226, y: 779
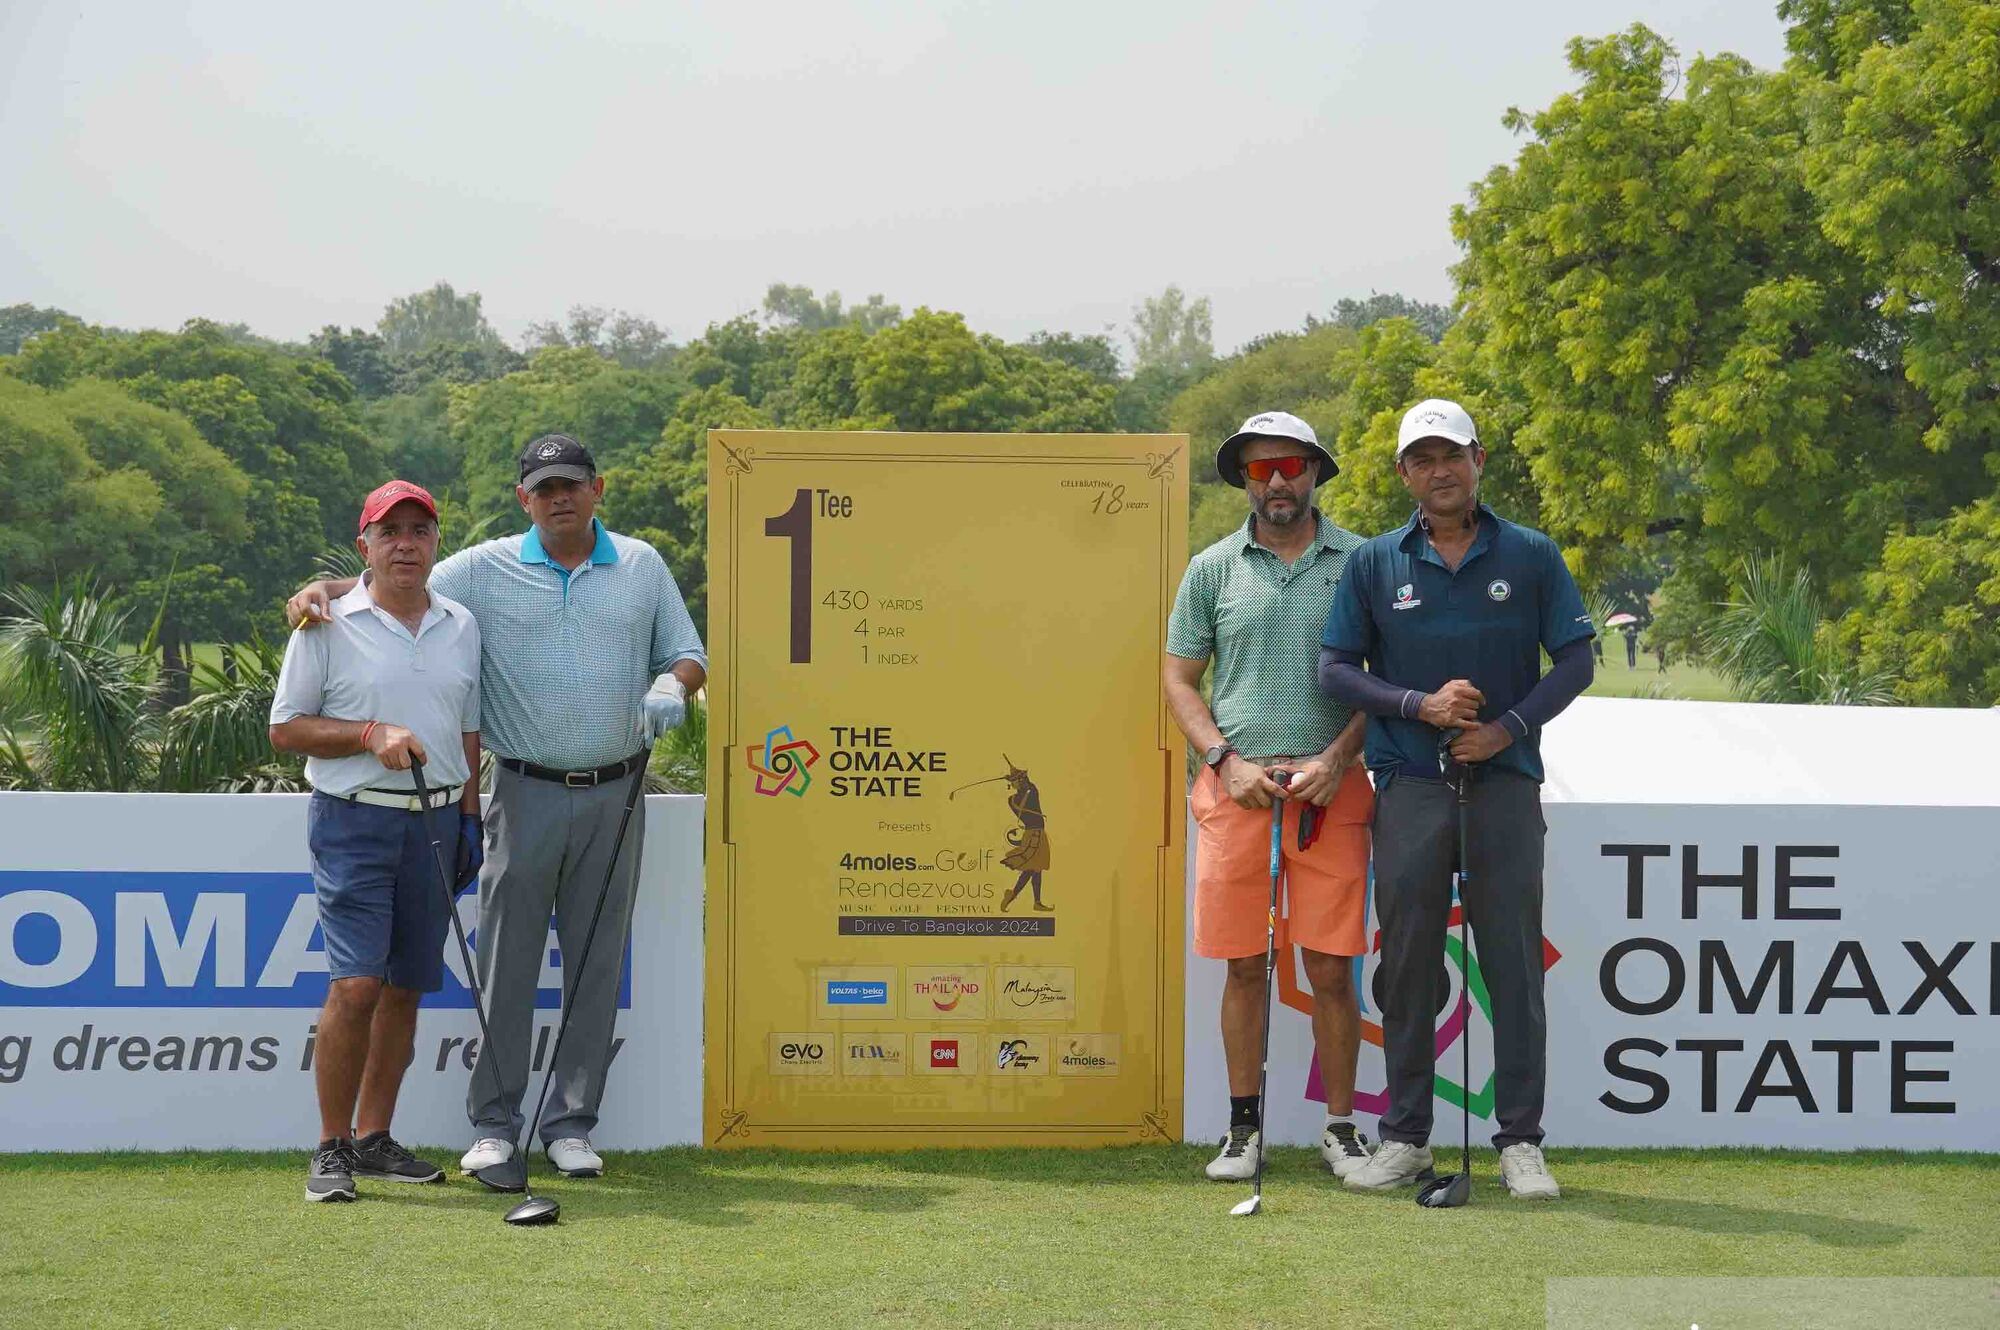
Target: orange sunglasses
x: 1261, y: 470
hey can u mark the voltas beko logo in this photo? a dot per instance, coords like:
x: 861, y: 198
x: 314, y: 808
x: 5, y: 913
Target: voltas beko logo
x: 783, y: 765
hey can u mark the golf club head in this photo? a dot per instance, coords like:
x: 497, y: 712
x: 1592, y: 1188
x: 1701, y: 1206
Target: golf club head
x: 1250, y: 1207
x: 1446, y: 1191
x: 507, y: 1175
x: 535, y: 1210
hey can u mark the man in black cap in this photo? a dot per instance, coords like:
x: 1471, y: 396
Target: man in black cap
x: 587, y: 656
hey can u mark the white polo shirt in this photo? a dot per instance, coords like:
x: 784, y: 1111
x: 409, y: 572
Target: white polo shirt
x: 365, y: 665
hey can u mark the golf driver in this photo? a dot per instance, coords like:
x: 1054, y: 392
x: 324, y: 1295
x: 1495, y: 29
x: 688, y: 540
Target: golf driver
x: 1448, y: 1191
x: 1256, y: 1201
x: 512, y: 1175
x: 546, y: 1210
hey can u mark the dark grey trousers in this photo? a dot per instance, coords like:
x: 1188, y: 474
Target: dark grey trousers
x: 547, y: 850
x: 1416, y: 851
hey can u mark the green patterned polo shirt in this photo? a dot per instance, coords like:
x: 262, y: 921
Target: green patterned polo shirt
x: 1261, y: 619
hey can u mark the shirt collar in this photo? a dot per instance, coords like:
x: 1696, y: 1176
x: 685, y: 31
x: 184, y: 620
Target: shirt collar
x: 1411, y: 536
x: 359, y: 599
x: 602, y: 552
x: 1324, y: 531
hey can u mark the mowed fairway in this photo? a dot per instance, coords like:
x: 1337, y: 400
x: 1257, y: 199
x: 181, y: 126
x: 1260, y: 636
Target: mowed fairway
x: 949, y: 1238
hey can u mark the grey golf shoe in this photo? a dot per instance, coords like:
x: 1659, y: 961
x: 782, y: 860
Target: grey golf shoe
x: 330, y: 1176
x: 378, y: 1155
x: 1394, y: 1164
x: 1527, y: 1174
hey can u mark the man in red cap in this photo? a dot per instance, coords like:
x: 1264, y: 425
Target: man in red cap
x: 393, y: 676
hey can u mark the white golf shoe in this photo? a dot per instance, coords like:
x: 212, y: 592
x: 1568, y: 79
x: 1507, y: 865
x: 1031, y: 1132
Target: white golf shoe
x: 485, y: 1153
x: 573, y: 1158
x: 1394, y: 1164
x: 1344, y: 1151
x: 1527, y: 1174
x: 1237, y: 1161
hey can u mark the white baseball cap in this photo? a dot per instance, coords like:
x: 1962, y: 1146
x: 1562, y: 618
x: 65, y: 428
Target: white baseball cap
x: 1270, y: 425
x: 1435, y: 418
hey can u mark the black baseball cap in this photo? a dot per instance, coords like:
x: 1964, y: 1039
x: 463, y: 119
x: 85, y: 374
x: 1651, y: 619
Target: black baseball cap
x: 555, y: 455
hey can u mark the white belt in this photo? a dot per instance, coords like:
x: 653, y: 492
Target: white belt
x: 409, y: 803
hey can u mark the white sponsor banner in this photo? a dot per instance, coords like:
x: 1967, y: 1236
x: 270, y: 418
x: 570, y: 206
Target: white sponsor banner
x: 1716, y: 975
x: 161, y: 975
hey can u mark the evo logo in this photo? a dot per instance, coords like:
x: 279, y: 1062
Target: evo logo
x: 857, y: 993
x: 87, y: 939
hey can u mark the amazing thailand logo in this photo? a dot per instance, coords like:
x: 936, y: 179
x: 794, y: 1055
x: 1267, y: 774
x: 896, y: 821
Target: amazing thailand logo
x: 784, y: 764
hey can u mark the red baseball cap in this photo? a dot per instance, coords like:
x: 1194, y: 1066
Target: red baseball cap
x: 388, y: 496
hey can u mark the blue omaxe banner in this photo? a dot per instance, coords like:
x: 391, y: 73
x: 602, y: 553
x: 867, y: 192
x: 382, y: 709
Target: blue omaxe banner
x: 143, y: 939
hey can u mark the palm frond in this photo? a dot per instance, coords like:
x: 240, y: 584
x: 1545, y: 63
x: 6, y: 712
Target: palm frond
x: 66, y: 662
x: 220, y: 738
x: 680, y: 761
x: 1772, y: 643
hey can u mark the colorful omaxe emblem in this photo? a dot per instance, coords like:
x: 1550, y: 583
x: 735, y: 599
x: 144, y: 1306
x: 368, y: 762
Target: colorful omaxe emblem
x: 782, y: 765
x: 1450, y: 1029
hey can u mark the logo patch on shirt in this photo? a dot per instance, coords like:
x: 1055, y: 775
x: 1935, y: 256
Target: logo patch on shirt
x: 1406, y: 597
x: 1498, y: 589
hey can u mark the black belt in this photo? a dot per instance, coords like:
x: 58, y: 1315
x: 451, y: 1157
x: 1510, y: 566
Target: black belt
x: 576, y: 779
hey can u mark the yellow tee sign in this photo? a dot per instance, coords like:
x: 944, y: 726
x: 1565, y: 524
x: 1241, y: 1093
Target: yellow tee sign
x: 945, y: 871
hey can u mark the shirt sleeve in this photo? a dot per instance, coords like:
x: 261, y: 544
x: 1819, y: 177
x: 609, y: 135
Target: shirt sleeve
x: 1564, y: 620
x: 452, y: 578
x: 1191, y: 624
x: 674, y: 635
x: 1349, y: 625
x: 301, y: 687
x: 468, y: 711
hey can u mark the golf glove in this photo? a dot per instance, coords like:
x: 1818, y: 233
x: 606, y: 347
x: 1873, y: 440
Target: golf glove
x: 666, y: 707
x: 471, y: 849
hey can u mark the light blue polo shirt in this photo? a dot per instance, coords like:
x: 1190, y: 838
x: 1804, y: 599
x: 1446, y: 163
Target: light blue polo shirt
x: 567, y: 656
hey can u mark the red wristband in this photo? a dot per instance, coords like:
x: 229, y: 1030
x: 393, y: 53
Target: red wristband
x: 366, y: 730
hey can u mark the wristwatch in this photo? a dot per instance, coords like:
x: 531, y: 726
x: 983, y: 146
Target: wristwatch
x: 1216, y: 756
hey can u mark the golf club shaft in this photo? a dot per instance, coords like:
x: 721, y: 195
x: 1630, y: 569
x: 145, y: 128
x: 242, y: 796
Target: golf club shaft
x: 1465, y: 974
x: 1270, y: 978
x: 457, y: 925
x: 573, y: 977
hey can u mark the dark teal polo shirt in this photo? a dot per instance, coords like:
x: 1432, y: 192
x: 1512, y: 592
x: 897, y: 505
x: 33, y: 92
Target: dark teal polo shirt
x: 1420, y: 625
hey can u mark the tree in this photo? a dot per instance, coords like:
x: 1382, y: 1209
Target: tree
x: 84, y: 697
x: 616, y: 413
x: 1431, y: 320
x: 362, y: 358
x: 1093, y: 353
x: 931, y: 372
x: 437, y: 317
x: 797, y: 307
x: 625, y: 339
x: 47, y: 468
x: 1171, y: 332
x: 18, y: 323
x: 1772, y: 642
x: 1930, y: 615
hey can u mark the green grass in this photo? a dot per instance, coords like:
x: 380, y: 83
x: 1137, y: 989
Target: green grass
x: 953, y: 1238
x: 1683, y: 681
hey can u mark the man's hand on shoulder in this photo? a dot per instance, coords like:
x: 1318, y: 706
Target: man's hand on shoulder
x: 309, y: 607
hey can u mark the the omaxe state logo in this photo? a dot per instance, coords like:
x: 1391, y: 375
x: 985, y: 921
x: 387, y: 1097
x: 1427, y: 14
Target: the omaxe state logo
x: 783, y: 765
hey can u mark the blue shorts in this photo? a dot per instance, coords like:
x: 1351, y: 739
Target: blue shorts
x: 381, y: 910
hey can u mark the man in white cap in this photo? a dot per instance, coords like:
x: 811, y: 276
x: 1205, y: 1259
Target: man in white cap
x: 1451, y: 613
x: 1255, y: 603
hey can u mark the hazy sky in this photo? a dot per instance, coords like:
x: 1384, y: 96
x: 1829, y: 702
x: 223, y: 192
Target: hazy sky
x: 1034, y: 165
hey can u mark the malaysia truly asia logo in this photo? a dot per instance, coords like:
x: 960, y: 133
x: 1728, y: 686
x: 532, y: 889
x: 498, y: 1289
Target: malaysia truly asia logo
x: 784, y: 764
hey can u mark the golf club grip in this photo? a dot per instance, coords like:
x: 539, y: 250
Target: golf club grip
x: 583, y: 953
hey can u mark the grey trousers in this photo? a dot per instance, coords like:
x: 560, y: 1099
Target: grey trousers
x: 1416, y: 851
x: 547, y: 849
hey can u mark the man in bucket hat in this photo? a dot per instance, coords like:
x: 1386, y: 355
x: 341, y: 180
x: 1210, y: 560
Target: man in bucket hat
x: 1254, y: 604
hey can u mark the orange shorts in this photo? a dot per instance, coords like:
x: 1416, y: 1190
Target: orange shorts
x: 1324, y: 900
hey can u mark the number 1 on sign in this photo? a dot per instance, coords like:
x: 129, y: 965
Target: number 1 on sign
x: 795, y: 524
